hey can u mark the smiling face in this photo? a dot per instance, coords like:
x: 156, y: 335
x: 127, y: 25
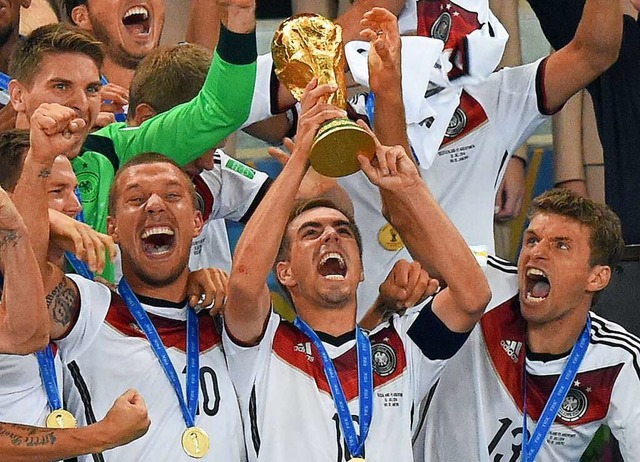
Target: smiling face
x: 323, y: 264
x: 128, y: 29
x: 69, y: 79
x: 556, y: 278
x: 154, y: 220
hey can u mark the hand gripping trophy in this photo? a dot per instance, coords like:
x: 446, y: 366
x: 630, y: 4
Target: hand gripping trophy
x: 307, y: 46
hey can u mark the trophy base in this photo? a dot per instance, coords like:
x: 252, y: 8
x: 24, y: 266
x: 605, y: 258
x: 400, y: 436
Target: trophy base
x: 337, y: 145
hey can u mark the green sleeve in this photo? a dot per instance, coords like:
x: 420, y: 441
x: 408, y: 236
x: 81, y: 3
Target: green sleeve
x: 187, y: 131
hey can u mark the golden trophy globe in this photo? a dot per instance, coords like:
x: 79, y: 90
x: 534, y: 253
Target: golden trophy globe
x: 306, y: 46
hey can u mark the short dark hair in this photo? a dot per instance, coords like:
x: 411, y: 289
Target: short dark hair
x: 606, y: 240
x: 52, y: 38
x: 14, y: 145
x: 142, y: 159
x: 169, y: 76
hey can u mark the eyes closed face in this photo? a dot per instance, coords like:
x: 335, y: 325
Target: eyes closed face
x: 324, y: 257
x: 61, y: 186
x: 155, y: 220
x: 554, y: 268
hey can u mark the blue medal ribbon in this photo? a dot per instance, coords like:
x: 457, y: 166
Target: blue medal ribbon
x: 120, y: 116
x: 78, y: 265
x: 4, y: 88
x: 48, y: 377
x: 190, y: 405
x: 531, y: 447
x: 355, y: 444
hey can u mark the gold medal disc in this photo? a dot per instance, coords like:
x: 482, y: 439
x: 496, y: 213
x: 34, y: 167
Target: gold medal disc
x: 389, y: 239
x: 357, y: 459
x: 195, y: 442
x: 61, y: 419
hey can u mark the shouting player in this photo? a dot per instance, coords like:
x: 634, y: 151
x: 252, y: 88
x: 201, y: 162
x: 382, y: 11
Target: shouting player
x: 321, y: 376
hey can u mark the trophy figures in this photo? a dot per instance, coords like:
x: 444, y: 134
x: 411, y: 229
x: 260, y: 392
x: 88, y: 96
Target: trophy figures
x: 307, y: 46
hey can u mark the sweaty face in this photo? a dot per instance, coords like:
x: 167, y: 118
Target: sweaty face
x: 154, y: 222
x: 69, y: 79
x: 554, y: 271
x: 9, y: 18
x: 324, y: 262
x: 61, y: 186
x: 129, y: 29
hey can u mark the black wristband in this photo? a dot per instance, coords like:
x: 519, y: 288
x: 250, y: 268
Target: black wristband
x: 237, y: 48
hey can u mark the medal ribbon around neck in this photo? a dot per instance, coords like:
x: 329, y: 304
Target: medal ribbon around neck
x: 365, y: 387
x: 48, y: 377
x: 531, y: 447
x: 78, y: 265
x: 188, y: 406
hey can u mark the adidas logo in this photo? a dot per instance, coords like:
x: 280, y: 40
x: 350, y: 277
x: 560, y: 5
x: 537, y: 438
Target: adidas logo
x: 512, y: 347
x: 303, y: 348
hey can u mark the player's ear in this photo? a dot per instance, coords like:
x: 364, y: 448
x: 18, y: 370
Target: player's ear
x: 284, y: 274
x: 197, y: 223
x: 16, y: 95
x: 599, y: 278
x: 112, y: 228
x: 143, y: 112
x: 80, y: 17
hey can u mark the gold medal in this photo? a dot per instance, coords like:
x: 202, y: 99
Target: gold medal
x: 195, y: 442
x: 357, y: 459
x: 389, y: 239
x: 61, y: 419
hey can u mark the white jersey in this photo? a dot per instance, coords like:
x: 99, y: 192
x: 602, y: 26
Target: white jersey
x: 481, y: 418
x: 106, y: 354
x: 23, y: 398
x: 286, y: 402
x: 494, y: 118
x: 230, y: 191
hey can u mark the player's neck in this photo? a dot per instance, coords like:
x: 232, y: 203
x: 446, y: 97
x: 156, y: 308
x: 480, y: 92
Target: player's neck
x: 175, y: 291
x: 116, y: 73
x: 332, y: 321
x: 556, y: 337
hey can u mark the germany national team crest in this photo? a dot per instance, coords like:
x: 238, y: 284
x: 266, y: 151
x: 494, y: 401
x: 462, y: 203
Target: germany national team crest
x: 384, y: 359
x: 389, y: 238
x: 457, y: 123
x: 574, y: 405
x: 442, y: 27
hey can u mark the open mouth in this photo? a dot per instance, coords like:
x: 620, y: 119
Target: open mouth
x: 537, y: 285
x: 332, y: 266
x: 158, y: 240
x: 137, y: 20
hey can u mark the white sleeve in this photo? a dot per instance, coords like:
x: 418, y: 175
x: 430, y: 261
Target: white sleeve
x: 95, y: 300
x: 514, y: 102
x: 624, y: 412
x: 262, y: 97
x: 234, y: 185
x: 247, y: 363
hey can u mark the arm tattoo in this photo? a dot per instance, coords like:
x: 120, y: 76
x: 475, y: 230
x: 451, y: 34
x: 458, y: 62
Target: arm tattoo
x: 44, y: 173
x: 24, y: 435
x: 63, y: 303
x: 8, y: 237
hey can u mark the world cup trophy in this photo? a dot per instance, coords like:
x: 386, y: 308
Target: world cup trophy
x: 306, y: 46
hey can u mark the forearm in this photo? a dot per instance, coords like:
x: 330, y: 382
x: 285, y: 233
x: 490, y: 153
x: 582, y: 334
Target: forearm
x: 185, y: 132
x: 30, y: 198
x: 238, y: 15
x: 24, y: 318
x: 390, y: 124
x: 20, y: 443
x: 203, y: 27
x: 600, y: 31
x: 436, y: 244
